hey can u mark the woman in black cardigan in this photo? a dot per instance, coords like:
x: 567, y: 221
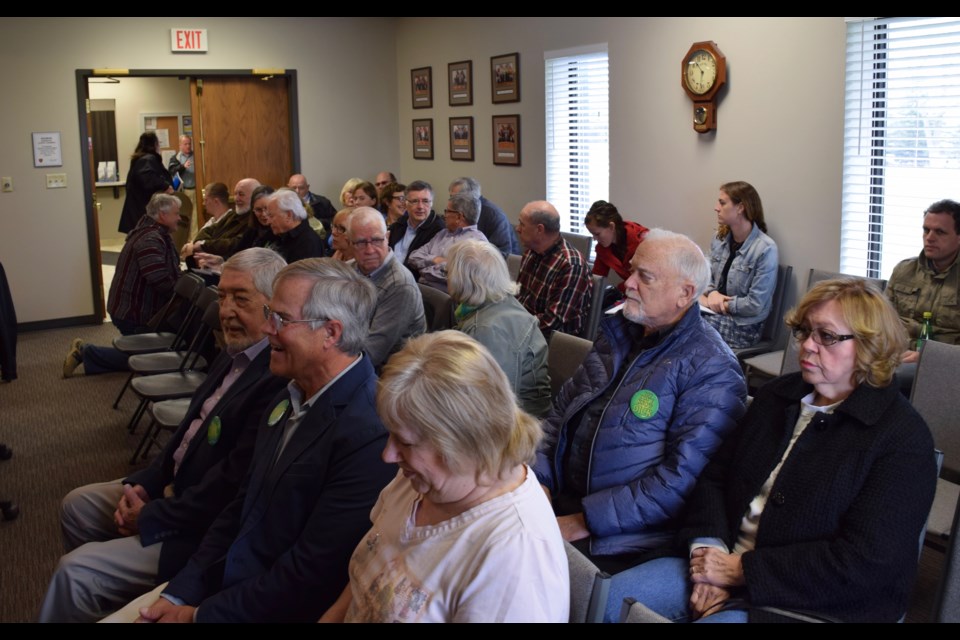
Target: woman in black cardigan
x: 817, y: 501
x: 145, y: 177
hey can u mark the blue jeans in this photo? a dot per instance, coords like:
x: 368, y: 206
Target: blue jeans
x: 663, y: 586
x: 97, y: 360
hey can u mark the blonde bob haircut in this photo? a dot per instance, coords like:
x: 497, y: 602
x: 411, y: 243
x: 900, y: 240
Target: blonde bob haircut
x: 880, y: 337
x: 446, y: 387
x: 348, y: 188
x: 477, y: 273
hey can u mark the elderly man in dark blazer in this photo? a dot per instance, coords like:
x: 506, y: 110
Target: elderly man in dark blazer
x: 279, y: 551
x: 126, y: 536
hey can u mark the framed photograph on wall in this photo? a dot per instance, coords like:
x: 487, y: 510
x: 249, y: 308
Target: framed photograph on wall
x: 421, y: 87
x: 460, y: 83
x: 423, y: 139
x: 461, y: 138
x: 506, y: 140
x: 505, y: 78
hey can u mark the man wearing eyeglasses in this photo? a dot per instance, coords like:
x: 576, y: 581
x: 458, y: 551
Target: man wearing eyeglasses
x: 288, y: 221
x: 279, y: 551
x: 418, y: 225
x: 125, y: 536
x: 399, y: 314
x: 429, y: 262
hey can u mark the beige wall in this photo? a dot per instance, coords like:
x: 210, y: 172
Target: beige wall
x: 780, y: 121
x: 346, y: 85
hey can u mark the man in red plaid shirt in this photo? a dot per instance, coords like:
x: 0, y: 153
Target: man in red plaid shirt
x: 554, y: 278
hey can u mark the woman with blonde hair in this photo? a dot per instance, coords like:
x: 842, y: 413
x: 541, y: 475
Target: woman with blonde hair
x: 346, y: 193
x: 464, y: 533
x: 817, y: 501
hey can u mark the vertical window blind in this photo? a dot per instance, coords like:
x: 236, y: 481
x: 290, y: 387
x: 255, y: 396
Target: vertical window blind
x: 578, y: 131
x: 901, y: 136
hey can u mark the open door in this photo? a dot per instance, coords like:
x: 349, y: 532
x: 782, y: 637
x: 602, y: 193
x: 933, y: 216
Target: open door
x: 241, y: 128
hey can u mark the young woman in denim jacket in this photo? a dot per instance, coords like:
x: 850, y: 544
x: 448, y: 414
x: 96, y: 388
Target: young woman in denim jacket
x: 743, y: 267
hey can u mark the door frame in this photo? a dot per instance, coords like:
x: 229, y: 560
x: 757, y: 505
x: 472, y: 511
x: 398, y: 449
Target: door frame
x: 83, y: 98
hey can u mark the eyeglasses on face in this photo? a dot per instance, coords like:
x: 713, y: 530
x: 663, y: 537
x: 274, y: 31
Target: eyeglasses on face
x: 339, y: 228
x: 278, y: 322
x: 399, y: 196
x: 820, y: 336
x: 424, y: 201
x: 363, y: 244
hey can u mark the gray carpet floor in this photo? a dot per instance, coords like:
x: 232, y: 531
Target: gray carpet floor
x: 64, y: 433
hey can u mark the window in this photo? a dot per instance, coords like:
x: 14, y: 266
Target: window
x: 578, y: 124
x: 901, y: 136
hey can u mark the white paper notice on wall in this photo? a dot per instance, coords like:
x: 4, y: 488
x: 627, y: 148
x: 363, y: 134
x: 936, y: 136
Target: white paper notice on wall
x: 183, y: 40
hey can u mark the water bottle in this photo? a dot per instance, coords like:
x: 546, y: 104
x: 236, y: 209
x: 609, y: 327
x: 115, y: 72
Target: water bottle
x: 926, y: 331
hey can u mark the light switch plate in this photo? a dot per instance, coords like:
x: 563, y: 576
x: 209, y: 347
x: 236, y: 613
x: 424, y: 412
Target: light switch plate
x: 56, y: 181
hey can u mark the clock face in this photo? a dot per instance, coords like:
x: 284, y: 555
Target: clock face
x: 701, y: 72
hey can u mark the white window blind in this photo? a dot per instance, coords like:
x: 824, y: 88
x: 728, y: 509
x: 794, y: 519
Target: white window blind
x: 578, y: 125
x: 901, y: 136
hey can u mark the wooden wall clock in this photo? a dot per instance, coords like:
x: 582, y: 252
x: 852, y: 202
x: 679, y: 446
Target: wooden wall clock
x: 702, y: 73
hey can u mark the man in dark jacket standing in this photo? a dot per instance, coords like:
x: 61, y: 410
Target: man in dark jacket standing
x: 631, y: 431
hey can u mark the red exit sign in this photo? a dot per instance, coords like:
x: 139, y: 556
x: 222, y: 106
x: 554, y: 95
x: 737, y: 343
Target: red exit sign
x: 188, y: 40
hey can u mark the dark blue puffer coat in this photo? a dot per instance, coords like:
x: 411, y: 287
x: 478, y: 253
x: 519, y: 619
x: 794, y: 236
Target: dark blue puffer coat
x: 670, y: 413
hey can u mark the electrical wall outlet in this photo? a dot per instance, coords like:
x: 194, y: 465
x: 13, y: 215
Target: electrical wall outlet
x: 6, y: 184
x: 56, y: 181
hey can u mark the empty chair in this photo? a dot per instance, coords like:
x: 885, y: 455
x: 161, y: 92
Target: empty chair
x: 178, y: 384
x: 172, y: 360
x: 583, y: 244
x: 437, y: 308
x: 565, y: 355
x: 513, y: 266
x: 598, y: 285
x: 772, y: 334
x: 185, y: 292
x: 164, y: 415
x: 947, y: 607
x: 633, y: 611
x: 589, y: 587
x: 936, y: 389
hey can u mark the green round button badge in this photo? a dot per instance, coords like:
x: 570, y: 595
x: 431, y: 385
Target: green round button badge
x: 278, y: 411
x: 644, y: 404
x: 213, y: 430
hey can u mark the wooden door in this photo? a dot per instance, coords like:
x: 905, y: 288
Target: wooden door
x: 241, y: 129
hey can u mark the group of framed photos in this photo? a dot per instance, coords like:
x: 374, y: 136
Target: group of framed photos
x: 504, y: 87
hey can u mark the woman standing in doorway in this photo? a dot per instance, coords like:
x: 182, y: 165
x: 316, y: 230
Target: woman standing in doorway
x: 145, y: 177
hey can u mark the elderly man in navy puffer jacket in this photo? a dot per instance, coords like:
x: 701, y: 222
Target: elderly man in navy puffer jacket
x: 631, y: 431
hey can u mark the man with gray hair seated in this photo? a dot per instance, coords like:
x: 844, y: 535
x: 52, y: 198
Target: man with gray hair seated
x: 288, y: 221
x: 125, y: 536
x: 630, y: 433
x: 429, y: 262
x: 492, y: 221
x: 399, y: 314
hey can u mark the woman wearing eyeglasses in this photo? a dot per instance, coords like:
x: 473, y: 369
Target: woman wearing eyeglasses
x: 817, y: 501
x: 393, y: 202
